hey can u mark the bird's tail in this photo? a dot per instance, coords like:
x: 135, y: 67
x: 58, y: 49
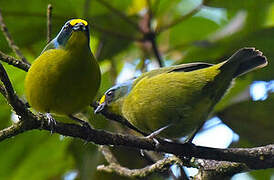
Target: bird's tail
x: 247, y: 59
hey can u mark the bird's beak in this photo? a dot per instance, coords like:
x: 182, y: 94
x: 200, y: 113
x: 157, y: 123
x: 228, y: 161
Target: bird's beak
x: 79, y: 27
x: 101, y: 106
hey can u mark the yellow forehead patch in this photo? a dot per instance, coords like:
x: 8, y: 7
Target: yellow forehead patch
x: 75, y: 21
x: 102, y: 100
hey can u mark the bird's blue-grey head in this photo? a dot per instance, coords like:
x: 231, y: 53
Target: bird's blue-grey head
x: 70, y: 27
x: 114, y: 94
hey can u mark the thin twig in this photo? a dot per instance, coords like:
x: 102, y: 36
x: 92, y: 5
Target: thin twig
x: 179, y: 20
x: 108, y: 154
x: 96, y: 27
x: 156, y: 51
x: 160, y: 166
x: 7, y: 84
x: 14, y: 62
x: 10, y: 41
x: 120, y: 14
x: 18, y: 105
x: 150, y: 14
x: 13, y: 130
x: 49, y: 24
x: 183, y: 173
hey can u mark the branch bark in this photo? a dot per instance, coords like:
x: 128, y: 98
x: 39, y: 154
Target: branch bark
x: 14, y: 62
x: 212, y: 170
x: 49, y: 24
x: 114, y: 167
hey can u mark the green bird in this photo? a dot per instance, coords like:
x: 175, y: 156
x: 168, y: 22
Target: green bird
x: 65, y: 78
x: 178, y: 97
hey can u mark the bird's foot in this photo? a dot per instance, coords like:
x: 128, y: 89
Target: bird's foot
x: 51, y: 122
x: 156, y: 133
x: 152, y: 137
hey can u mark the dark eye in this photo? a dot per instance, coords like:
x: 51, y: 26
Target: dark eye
x: 110, y: 93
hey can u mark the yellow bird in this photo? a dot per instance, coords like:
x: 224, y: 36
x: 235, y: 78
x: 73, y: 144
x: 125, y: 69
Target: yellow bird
x: 178, y: 98
x: 65, y: 78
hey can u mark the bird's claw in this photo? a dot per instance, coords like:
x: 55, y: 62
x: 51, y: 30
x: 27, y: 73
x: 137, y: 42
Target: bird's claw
x: 152, y: 137
x: 51, y: 122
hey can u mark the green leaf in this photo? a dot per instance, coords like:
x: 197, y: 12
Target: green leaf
x: 34, y: 150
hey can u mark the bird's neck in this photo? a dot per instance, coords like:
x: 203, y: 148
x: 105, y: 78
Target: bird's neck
x: 78, y: 42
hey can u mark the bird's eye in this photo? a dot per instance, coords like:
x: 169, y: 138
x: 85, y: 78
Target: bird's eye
x: 110, y: 93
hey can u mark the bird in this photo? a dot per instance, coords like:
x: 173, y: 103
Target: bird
x: 178, y: 99
x: 65, y: 78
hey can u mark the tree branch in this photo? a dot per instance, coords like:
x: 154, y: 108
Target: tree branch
x: 156, y: 52
x: 12, y: 131
x: 14, y: 62
x: 254, y: 158
x: 7, y: 84
x: 49, y: 24
x: 150, y: 14
x: 150, y: 36
x: 211, y: 169
x: 10, y: 41
x: 114, y: 167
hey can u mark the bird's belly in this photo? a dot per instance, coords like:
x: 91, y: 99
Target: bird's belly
x: 182, y: 119
x: 61, y: 88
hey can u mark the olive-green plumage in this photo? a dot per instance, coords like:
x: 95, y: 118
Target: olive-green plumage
x: 65, y: 78
x: 179, y: 96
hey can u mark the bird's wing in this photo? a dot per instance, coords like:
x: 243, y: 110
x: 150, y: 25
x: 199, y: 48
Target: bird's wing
x: 178, y: 68
x: 189, y: 67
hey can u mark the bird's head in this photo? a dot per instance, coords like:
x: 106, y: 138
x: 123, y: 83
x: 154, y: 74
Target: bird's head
x: 114, y: 97
x: 75, y: 33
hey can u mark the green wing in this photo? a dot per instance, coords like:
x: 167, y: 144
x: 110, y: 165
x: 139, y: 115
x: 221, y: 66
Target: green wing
x: 178, y: 68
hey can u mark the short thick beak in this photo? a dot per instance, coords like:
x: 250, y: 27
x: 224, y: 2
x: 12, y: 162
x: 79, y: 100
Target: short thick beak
x: 100, y: 108
x: 79, y: 27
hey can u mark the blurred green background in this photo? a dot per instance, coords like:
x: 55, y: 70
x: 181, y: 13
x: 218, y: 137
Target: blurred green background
x: 211, y: 35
